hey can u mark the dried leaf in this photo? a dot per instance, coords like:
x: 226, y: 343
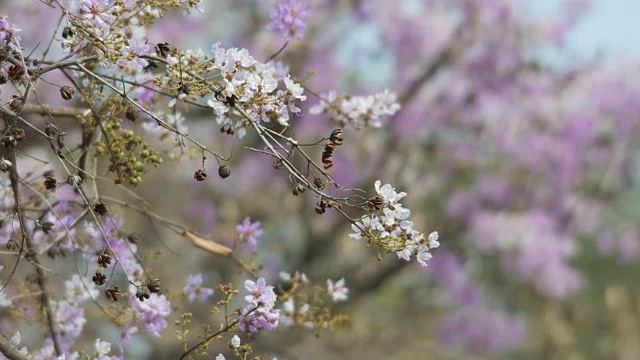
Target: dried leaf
x: 208, y: 245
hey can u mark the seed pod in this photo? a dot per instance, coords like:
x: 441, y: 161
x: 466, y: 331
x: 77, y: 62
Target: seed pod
x: 3, y: 78
x: 74, y: 180
x: 336, y: 137
x: 50, y: 183
x: 375, y: 203
x: 15, y: 103
x: 100, y: 209
x: 112, y: 293
x: 99, y: 278
x: 15, y: 72
x: 154, y: 285
x: 67, y: 92
x: 321, y: 207
x: 224, y: 171
x: 163, y: 49
x: 152, y: 65
x: 47, y: 226
x: 131, y: 114
x: 18, y: 134
x: 104, y: 260
x: 200, y: 174
x: 60, y: 139
x: 51, y: 130
x: 67, y: 32
x: 5, y: 165
x: 142, y: 293
x: 327, y: 156
x: 317, y: 182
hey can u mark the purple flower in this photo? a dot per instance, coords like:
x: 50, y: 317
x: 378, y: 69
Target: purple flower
x: 259, y: 312
x: 248, y: 231
x: 69, y: 321
x: 290, y: 18
x: 8, y: 33
x: 261, y: 294
x: 261, y: 318
x: 194, y: 289
x: 152, y: 312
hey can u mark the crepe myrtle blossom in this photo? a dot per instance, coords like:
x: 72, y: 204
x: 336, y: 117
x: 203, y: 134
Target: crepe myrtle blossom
x: 337, y: 290
x: 388, y: 226
x: 290, y: 18
x: 358, y: 111
x: 194, y: 289
x: 248, y: 231
x: 252, y: 87
x: 259, y: 313
x: 8, y: 34
x: 152, y: 312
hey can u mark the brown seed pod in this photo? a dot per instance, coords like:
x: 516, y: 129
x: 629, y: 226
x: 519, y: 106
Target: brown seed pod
x: 15, y: 103
x: 142, y: 293
x: 375, y: 203
x: 154, y: 285
x: 104, y: 260
x: 67, y: 32
x: 15, y: 72
x: 200, y: 174
x: 47, y: 226
x: 336, y: 137
x: 131, y: 114
x: 67, y: 92
x: 112, y: 293
x: 163, y: 49
x: 224, y: 171
x: 327, y: 156
x: 51, y: 130
x: 99, y: 278
x: 50, y: 183
x: 100, y: 209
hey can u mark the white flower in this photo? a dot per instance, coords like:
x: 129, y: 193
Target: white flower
x: 388, y: 193
x: 433, y: 240
x: 102, y: 347
x: 79, y: 290
x: 220, y: 357
x: 423, y: 255
x: 235, y: 341
x: 337, y: 291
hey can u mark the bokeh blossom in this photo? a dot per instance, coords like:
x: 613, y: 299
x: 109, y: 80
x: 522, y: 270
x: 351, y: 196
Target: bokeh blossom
x: 290, y: 18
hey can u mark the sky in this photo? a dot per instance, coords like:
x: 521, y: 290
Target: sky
x: 611, y: 28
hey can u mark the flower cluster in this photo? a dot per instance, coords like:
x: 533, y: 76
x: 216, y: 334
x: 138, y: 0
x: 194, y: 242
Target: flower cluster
x: 152, y: 312
x: 259, y: 313
x: 250, y: 86
x: 359, y: 111
x: 8, y: 35
x: 290, y: 18
x: 389, y: 227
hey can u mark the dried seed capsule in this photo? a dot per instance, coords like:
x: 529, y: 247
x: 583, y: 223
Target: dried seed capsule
x: 163, y: 49
x: 47, y: 226
x: 131, y: 114
x: 67, y: 32
x: 154, y: 285
x: 112, y: 293
x: 336, y: 137
x: 200, y: 174
x: 15, y: 72
x: 224, y: 171
x: 317, y: 182
x: 99, y: 278
x: 67, y: 92
x: 100, y: 208
x: 327, y: 156
x: 50, y: 183
x: 142, y: 293
x: 5, y: 165
x: 51, y: 130
x: 15, y: 103
x: 104, y: 260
